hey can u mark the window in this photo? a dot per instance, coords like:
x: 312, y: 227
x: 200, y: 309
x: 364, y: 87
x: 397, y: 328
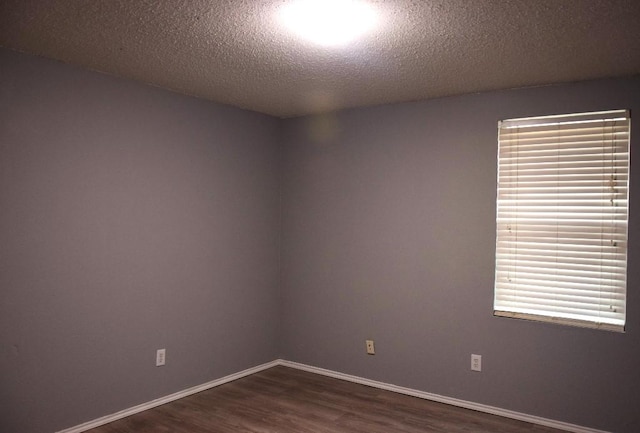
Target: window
x: 561, y: 223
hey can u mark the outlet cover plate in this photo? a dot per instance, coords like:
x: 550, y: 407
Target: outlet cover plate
x: 371, y: 350
x: 161, y: 355
x: 476, y: 362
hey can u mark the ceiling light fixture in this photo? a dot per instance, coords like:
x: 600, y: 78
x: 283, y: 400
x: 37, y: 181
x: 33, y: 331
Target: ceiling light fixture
x: 328, y: 22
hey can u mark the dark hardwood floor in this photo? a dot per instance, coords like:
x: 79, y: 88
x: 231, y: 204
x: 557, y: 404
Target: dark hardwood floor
x: 286, y: 400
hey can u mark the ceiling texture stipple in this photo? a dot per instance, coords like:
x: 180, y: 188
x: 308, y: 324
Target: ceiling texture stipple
x: 237, y: 52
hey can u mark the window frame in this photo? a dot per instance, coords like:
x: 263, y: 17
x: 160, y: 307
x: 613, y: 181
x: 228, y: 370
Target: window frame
x: 506, y: 293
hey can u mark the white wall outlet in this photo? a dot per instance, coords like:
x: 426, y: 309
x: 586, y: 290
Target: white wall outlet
x: 371, y: 350
x: 476, y: 362
x: 161, y: 355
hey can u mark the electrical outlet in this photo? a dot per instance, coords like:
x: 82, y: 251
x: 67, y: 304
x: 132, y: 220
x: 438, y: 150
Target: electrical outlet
x: 161, y: 355
x: 476, y: 362
x: 371, y: 350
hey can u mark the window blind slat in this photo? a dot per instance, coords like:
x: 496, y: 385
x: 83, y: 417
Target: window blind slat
x: 582, y: 264
x: 538, y: 288
x: 572, y: 303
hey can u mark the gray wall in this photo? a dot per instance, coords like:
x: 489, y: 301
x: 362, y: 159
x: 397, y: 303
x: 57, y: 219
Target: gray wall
x: 389, y: 234
x: 131, y: 219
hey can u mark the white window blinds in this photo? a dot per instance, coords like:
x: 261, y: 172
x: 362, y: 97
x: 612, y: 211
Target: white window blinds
x: 562, y: 212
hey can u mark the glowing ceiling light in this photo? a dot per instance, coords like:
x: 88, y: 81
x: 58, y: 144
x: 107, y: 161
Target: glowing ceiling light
x: 328, y: 22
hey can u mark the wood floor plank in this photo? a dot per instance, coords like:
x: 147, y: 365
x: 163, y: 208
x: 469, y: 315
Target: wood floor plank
x: 286, y: 400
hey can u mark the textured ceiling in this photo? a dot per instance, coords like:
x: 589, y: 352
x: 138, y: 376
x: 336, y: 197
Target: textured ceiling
x: 235, y: 52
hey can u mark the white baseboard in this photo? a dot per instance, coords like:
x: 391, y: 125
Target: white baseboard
x: 355, y: 379
x: 169, y: 398
x: 443, y: 399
